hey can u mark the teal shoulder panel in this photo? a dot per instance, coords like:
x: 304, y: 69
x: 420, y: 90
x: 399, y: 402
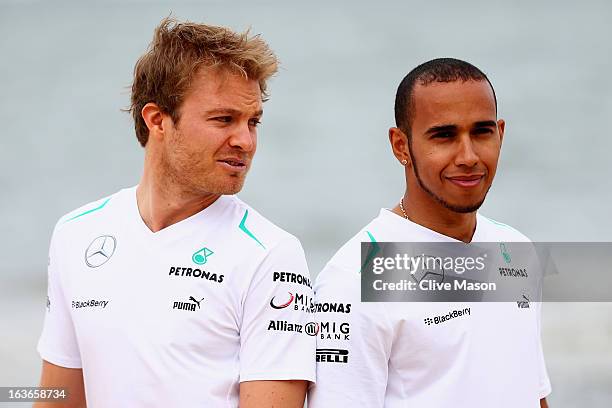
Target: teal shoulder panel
x: 244, y: 229
x: 500, y: 224
x: 88, y: 211
x: 373, y: 251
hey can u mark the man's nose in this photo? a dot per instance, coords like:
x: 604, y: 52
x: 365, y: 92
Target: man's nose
x: 243, y: 137
x: 466, y: 153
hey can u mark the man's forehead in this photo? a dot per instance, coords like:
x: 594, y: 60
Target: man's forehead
x: 440, y: 99
x: 226, y: 89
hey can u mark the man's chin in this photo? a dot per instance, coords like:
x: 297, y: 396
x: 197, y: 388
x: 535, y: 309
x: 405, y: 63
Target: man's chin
x: 232, y: 191
x: 230, y: 188
x: 462, y: 208
x: 219, y: 187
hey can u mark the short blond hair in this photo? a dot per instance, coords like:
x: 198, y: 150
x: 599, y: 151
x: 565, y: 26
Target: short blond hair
x: 164, y: 73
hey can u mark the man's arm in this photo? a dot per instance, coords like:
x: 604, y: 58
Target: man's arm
x: 263, y: 394
x: 352, y: 369
x: 58, y: 341
x: 277, y: 345
x: 543, y: 403
x: 71, y: 379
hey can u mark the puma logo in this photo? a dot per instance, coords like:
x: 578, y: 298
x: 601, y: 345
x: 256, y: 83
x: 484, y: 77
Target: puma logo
x: 188, y: 305
x: 196, y: 301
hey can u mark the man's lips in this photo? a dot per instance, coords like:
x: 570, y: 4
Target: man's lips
x: 233, y: 163
x: 471, y: 180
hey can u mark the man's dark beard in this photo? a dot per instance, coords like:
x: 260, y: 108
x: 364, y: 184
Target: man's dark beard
x: 446, y: 204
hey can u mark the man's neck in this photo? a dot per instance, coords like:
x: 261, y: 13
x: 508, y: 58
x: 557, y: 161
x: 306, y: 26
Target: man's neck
x: 440, y: 219
x: 162, y: 203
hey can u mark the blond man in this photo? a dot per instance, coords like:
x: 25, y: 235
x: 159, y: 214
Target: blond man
x: 175, y: 293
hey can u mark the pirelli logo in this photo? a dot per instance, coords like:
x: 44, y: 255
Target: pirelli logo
x: 332, y: 356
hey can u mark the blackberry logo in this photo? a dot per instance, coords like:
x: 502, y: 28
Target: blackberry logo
x: 446, y: 317
x: 78, y: 304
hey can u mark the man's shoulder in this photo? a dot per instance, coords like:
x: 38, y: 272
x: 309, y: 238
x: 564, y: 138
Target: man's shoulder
x: 495, y: 231
x: 89, y: 214
x: 255, y: 230
x: 345, y: 265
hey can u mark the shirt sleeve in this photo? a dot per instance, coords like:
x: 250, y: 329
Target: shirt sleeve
x: 277, y: 337
x: 353, y: 346
x: 544, y: 385
x: 57, y: 343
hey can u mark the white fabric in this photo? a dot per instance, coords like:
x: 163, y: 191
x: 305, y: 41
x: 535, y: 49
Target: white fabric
x: 491, y: 357
x: 132, y: 327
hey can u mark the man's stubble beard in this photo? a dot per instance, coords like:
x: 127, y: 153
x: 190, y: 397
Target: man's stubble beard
x: 180, y: 169
x: 444, y: 203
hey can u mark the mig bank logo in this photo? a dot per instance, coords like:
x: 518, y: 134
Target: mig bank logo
x: 201, y: 256
x: 283, y: 303
x: 100, y: 251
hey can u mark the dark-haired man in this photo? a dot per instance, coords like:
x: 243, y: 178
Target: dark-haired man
x: 173, y: 293
x: 448, y: 139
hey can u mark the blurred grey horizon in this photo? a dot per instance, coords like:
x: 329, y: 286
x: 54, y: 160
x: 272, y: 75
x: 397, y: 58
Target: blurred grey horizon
x: 324, y: 167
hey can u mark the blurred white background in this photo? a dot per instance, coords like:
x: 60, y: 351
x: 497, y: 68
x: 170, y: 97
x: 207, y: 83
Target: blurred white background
x: 323, y: 167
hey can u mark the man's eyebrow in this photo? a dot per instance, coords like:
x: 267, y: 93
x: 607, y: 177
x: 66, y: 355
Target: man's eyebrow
x: 230, y: 111
x: 486, y: 123
x: 441, y: 128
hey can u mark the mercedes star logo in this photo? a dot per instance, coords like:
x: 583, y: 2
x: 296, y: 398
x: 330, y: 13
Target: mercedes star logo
x: 100, y: 250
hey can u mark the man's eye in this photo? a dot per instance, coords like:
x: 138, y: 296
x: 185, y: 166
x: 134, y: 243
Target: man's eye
x: 483, y: 131
x: 223, y: 119
x: 443, y: 135
x: 255, y: 122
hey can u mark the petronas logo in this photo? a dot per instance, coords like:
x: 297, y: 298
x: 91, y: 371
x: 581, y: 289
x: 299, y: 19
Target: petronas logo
x: 505, y: 253
x: 201, y: 256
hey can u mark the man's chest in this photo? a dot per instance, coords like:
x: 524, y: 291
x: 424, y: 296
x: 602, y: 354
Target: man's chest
x: 184, y: 295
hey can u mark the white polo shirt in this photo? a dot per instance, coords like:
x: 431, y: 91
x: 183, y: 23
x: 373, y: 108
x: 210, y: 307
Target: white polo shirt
x: 386, y: 354
x: 176, y: 318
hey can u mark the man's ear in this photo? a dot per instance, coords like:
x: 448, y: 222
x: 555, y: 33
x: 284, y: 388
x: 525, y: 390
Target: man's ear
x: 501, y: 126
x: 399, y: 145
x: 154, y: 119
